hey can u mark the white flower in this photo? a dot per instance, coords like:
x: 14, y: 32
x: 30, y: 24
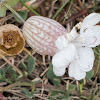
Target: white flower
x: 75, y: 49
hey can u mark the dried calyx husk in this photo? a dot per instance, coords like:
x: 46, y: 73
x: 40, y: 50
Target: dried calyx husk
x: 11, y: 40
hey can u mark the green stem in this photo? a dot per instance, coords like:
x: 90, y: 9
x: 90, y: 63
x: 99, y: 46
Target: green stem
x: 29, y: 8
x: 68, y: 10
x: 59, y: 10
x: 14, y: 12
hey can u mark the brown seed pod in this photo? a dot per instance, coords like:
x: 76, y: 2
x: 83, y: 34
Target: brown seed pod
x: 11, y: 40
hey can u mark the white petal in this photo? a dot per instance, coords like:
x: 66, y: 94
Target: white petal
x: 86, y: 58
x: 62, y: 58
x: 72, y: 35
x: 90, y: 20
x: 61, y: 42
x: 91, y: 36
x: 75, y: 71
x: 59, y: 71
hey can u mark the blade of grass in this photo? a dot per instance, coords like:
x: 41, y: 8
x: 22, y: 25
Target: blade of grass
x: 16, y: 84
x: 68, y: 10
x: 13, y: 11
x: 98, y: 66
x: 29, y: 8
x: 59, y: 10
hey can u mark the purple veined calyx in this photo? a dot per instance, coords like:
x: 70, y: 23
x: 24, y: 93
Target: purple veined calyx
x: 41, y: 34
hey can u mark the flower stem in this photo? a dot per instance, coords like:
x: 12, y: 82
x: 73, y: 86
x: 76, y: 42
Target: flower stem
x: 58, y: 11
x: 13, y: 11
x: 29, y: 8
x: 68, y: 10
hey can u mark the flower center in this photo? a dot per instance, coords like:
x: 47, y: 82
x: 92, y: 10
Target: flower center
x: 10, y: 39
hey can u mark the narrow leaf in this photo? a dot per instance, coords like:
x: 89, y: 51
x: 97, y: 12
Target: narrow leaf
x: 31, y: 65
x: 23, y: 14
x: 2, y: 75
x: 56, y: 82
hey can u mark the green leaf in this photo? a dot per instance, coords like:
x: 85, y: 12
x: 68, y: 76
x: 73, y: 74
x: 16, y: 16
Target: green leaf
x: 23, y: 14
x: 67, y: 98
x: 89, y: 74
x: 53, y: 93
x: 27, y: 93
x: 95, y: 1
x: 2, y: 75
x: 50, y: 73
x: 31, y: 65
x: 84, y: 97
x: 11, y: 3
x: 13, y: 74
x: 24, y: 0
x: 56, y: 82
x: 56, y: 94
x: 2, y: 10
x: 71, y: 87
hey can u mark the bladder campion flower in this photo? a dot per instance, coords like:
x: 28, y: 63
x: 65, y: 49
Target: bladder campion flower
x: 75, y: 48
x: 48, y: 37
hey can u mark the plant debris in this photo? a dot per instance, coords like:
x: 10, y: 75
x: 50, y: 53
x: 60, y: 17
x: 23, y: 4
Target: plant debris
x: 38, y: 81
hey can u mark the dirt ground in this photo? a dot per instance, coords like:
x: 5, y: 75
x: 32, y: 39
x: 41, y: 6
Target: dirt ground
x: 38, y: 81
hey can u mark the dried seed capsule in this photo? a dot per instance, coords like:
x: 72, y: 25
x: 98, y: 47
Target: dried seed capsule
x: 11, y: 40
